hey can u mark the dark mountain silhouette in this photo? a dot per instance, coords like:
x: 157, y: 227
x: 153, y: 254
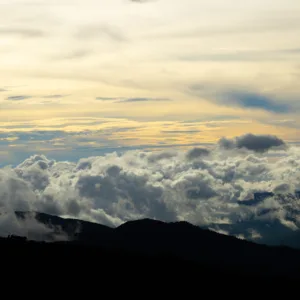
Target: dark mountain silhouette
x: 147, y: 244
x: 75, y: 229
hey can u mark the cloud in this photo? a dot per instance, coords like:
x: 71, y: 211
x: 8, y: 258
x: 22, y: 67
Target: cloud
x: 180, y: 131
x: 251, y: 56
x: 140, y: 1
x: 257, y: 143
x: 74, y: 54
x: 247, y: 27
x: 18, y: 98
x: 22, y: 32
x: 242, y: 98
x: 16, y: 195
x: 100, y: 31
x: 57, y: 96
x: 108, y: 98
x: 144, y: 99
x: 30, y: 228
x: 255, y: 100
x: 196, y: 153
x: 126, y: 100
x: 206, y: 187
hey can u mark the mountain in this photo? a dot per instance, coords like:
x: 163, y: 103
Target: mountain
x: 79, y: 230
x: 146, y: 241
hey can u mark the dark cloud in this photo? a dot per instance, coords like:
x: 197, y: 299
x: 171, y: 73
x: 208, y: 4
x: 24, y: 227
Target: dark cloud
x: 197, y: 153
x: 242, y: 98
x: 18, y: 98
x: 108, y: 98
x: 159, y: 156
x: 255, y: 100
x: 283, y: 188
x: 257, y: 143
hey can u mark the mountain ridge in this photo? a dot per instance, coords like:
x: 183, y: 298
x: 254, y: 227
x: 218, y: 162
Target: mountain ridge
x: 151, y: 245
x: 145, y: 231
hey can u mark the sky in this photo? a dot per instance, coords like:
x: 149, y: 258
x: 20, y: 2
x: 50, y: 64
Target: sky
x: 81, y: 78
x: 113, y: 110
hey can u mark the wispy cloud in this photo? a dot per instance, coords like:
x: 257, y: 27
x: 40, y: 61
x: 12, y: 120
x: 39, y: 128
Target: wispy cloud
x: 73, y: 54
x: 18, y: 98
x: 138, y: 99
x: 255, y: 55
x: 94, y: 31
x: 140, y: 1
x: 180, y: 131
x: 253, y: 25
x: 144, y: 99
x: 57, y: 96
x: 108, y: 98
x: 242, y: 98
x: 22, y: 32
x: 256, y: 100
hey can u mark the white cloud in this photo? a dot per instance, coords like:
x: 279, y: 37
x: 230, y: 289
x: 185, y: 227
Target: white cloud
x: 17, y: 195
x: 208, y: 190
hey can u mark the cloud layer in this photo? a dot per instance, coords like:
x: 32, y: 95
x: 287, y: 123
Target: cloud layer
x: 212, y: 188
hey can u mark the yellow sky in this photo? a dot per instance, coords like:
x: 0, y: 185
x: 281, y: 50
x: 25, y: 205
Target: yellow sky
x: 229, y: 62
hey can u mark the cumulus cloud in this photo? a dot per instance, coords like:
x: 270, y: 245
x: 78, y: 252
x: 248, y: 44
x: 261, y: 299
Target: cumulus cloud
x: 239, y: 191
x: 197, y: 153
x: 17, y: 195
x: 257, y: 143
